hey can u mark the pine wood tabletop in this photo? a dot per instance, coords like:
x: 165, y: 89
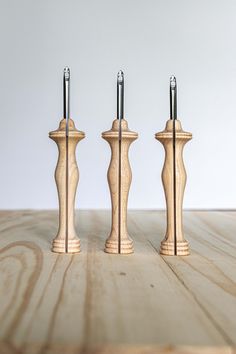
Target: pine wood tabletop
x: 95, y: 302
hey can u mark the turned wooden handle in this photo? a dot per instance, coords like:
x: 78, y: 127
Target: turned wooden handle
x: 119, y: 240
x: 174, y: 242
x: 66, y: 240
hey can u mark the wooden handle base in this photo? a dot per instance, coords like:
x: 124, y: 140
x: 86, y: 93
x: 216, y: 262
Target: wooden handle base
x: 170, y: 249
x: 73, y: 246
x: 124, y: 247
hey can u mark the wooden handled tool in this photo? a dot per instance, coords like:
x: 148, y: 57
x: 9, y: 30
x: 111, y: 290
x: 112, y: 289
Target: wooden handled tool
x: 119, y: 175
x: 174, y: 177
x: 66, y: 175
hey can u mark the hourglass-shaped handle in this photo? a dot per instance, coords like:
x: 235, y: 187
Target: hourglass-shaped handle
x: 174, y: 181
x: 67, y: 177
x: 119, y: 179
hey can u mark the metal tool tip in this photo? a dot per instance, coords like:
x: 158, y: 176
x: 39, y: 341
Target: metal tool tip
x: 66, y: 73
x: 172, y: 81
x: 120, y: 76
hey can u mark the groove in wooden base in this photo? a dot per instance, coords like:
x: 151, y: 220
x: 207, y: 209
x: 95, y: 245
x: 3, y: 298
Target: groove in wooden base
x: 59, y: 246
x: 168, y: 248
x: 126, y: 247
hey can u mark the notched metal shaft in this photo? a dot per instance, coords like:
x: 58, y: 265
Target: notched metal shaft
x: 173, y: 97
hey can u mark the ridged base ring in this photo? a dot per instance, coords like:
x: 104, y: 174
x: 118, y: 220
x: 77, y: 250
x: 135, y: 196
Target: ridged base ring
x: 59, y: 246
x: 126, y: 247
x: 168, y: 248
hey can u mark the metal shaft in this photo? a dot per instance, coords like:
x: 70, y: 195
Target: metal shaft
x: 173, y: 98
x: 66, y: 96
x: 173, y: 116
x: 120, y: 115
x: 66, y: 108
x: 120, y: 95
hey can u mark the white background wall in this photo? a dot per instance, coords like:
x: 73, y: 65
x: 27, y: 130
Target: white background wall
x: 149, y: 40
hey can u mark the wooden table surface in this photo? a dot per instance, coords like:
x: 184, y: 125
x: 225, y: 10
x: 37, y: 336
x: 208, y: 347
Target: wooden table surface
x: 94, y: 302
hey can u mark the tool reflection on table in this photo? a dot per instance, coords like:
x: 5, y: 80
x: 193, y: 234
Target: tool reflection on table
x: 174, y: 178
x: 119, y: 175
x: 66, y: 175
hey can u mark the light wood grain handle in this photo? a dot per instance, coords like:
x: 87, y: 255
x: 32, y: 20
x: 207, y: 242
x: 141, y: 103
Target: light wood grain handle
x: 119, y: 240
x: 66, y: 239
x: 174, y: 242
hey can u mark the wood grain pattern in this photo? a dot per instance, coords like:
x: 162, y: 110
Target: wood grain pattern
x: 97, y: 303
x: 66, y: 239
x: 174, y: 241
x: 119, y: 240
